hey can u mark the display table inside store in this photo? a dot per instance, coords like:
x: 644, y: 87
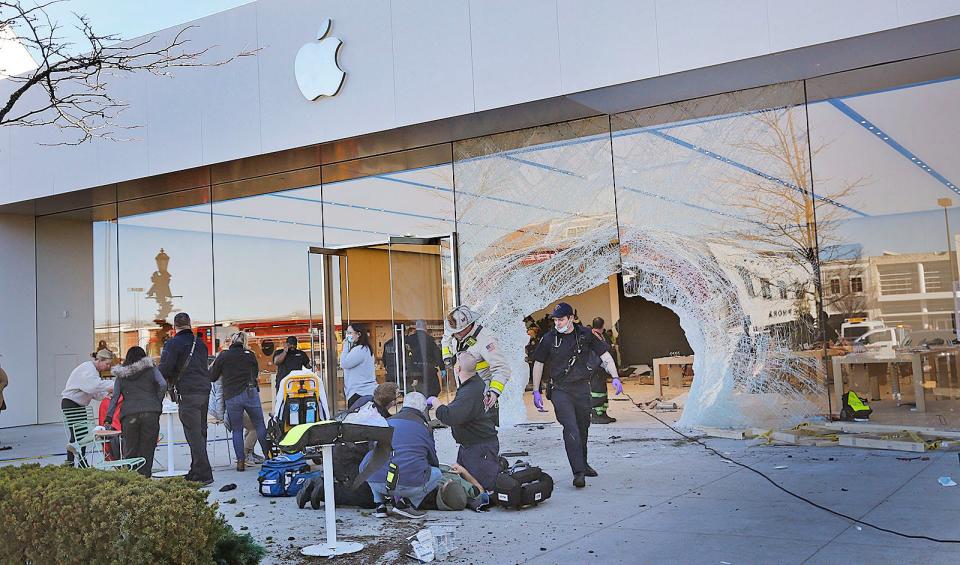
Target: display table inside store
x: 944, y: 372
x: 674, y: 369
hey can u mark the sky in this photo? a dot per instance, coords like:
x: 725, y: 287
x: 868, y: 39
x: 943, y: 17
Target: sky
x: 132, y: 18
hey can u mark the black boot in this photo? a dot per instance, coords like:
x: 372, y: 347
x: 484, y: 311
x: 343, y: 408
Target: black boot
x: 601, y: 418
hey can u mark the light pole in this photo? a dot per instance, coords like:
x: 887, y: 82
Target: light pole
x: 946, y: 203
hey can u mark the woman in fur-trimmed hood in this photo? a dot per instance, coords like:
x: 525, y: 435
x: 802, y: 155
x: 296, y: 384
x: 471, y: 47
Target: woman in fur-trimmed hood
x: 142, y: 386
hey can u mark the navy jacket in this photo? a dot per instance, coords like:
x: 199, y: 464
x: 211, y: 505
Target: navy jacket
x: 196, y: 376
x: 468, y: 419
x: 413, y: 450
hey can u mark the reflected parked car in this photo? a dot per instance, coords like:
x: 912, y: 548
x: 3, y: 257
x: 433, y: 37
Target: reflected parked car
x: 930, y: 339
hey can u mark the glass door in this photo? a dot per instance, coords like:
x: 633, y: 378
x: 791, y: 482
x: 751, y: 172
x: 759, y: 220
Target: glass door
x: 423, y: 288
x: 329, y: 302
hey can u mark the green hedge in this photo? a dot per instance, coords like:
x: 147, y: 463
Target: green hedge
x: 58, y: 514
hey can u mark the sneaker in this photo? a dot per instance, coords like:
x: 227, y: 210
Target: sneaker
x: 402, y: 507
x: 257, y: 459
x: 241, y: 466
x: 579, y: 481
x: 601, y: 419
x: 382, y: 511
x: 589, y: 472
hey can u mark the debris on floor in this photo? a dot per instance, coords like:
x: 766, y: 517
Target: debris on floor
x: 848, y: 434
x: 947, y: 482
x: 436, y: 542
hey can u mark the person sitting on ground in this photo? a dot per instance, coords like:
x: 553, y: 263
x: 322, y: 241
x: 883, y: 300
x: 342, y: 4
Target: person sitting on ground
x: 472, y: 426
x: 83, y: 387
x: 142, y: 386
x: 384, y: 398
x: 415, y: 457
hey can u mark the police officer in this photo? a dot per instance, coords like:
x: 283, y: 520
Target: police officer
x: 573, y: 353
x: 463, y: 333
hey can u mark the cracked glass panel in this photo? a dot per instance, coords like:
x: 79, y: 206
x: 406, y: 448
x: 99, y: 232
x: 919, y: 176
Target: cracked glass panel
x: 536, y: 223
x: 716, y: 224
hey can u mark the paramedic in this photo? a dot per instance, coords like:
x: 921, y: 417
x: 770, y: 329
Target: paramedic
x: 290, y: 359
x: 472, y: 427
x: 573, y: 352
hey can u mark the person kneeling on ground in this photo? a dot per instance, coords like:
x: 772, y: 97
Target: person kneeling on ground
x: 415, y: 457
x: 472, y: 426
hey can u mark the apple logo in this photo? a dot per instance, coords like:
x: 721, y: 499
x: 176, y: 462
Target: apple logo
x: 316, y: 67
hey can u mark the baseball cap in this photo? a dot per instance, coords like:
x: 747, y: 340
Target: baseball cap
x: 562, y: 309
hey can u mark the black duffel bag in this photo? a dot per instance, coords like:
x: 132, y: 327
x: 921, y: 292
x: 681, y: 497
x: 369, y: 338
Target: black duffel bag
x: 522, y: 485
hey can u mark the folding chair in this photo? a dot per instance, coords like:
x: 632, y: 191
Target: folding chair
x: 82, y: 421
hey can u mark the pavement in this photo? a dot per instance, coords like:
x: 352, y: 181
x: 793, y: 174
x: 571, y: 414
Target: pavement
x: 660, y: 498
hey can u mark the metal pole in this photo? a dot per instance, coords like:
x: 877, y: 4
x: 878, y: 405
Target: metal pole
x: 329, y: 506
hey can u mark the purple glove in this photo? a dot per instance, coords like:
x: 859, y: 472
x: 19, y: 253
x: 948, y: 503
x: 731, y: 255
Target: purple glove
x: 431, y: 401
x: 617, y: 386
x: 537, y: 400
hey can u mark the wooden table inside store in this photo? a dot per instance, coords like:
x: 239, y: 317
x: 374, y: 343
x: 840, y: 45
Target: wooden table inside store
x: 674, y: 369
x: 862, y: 379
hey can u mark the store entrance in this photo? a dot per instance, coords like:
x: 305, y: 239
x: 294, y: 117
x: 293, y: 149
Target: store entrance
x: 398, y: 291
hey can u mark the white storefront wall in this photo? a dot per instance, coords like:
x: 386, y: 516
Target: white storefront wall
x: 412, y: 61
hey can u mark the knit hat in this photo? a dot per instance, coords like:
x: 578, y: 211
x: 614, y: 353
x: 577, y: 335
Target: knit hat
x: 451, y: 495
x: 105, y: 355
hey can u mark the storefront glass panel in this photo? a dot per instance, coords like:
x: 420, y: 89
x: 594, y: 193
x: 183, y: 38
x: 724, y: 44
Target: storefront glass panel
x: 165, y: 248
x: 536, y: 224
x: 884, y: 153
x: 716, y: 224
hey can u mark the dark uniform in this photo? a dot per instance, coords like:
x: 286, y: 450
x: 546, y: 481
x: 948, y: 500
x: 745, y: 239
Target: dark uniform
x: 570, y: 385
x: 295, y: 360
x: 598, y: 387
x: 183, y: 362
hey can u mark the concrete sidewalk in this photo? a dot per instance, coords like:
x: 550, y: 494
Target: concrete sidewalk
x: 658, y: 499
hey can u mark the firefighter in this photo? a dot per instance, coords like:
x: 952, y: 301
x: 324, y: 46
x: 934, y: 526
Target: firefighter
x: 573, y: 353
x: 598, y: 382
x: 463, y: 332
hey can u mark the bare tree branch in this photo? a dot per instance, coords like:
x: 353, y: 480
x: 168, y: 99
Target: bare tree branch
x: 71, y: 89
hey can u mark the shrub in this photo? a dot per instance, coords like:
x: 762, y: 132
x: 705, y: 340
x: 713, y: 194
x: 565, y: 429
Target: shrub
x: 64, y: 515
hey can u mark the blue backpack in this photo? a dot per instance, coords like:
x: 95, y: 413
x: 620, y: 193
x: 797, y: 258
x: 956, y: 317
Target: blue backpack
x: 284, y: 475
